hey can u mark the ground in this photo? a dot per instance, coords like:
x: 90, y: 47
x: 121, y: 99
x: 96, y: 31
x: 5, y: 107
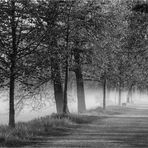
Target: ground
x: 126, y: 130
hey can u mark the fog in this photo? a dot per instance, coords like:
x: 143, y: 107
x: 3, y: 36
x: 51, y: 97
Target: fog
x: 93, y: 100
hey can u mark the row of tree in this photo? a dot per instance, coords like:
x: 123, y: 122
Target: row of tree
x: 42, y: 41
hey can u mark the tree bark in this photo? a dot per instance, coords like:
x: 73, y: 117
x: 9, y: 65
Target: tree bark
x: 12, y: 68
x: 65, y: 88
x: 58, y: 93
x: 80, y: 82
x: 66, y: 62
x: 11, y: 100
x: 80, y: 91
x: 56, y: 77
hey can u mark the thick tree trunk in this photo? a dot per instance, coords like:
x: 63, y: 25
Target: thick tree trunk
x: 58, y: 93
x: 79, y: 82
x: 58, y: 90
x: 80, y: 91
x: 104, y: 93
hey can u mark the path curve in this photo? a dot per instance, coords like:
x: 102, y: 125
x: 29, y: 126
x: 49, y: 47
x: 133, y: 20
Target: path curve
x: 122, y: 131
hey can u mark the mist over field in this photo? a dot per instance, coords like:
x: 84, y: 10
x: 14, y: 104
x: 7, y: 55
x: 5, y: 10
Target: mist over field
x: 94, y: 99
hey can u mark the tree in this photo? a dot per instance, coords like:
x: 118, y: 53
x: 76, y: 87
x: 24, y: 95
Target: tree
x: 49, y: 64
x: 137, y: 45
x: 56, y: 18
x: 72, y: 24
x: 16, y: 43
x: 105, y: 33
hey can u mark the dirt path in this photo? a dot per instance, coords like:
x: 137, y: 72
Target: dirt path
x: 125, y: 131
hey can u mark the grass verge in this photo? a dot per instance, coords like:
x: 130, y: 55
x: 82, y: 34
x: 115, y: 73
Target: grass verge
x: 44, y: 126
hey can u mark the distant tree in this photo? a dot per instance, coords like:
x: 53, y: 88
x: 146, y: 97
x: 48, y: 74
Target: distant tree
x: 107, y: 29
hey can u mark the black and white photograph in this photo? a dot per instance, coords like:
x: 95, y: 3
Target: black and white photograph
x: 74, y: 73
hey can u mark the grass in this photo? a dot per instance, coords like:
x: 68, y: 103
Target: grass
x: 28, y: 133
x: 74, y: 118
x: 110, y: 110
x: 52, y: 125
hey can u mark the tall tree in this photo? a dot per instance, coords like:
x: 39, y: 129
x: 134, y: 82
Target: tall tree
x: 16, y: 43
x: 79, y: 81
x: 48, y: 16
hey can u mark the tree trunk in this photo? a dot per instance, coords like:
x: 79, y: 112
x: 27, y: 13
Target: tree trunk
x: 58, y: 93
x: 79, y: 82
x: 65, y: 108
x: 116, y: 90
x: 56, y: 77
x: 65, y: 88
x: 104, y: 93
x: 58, y: 89
x: 11, y: 100
x: 12, y: 68
x: 80, y: 91
x: 120, y: 90
x: 129, y: 95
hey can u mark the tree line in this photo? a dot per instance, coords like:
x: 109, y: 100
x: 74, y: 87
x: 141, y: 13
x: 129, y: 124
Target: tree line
x: 42, y: 41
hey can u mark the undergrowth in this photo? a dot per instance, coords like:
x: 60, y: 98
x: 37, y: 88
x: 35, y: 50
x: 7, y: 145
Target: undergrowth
x: 23, y: 132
